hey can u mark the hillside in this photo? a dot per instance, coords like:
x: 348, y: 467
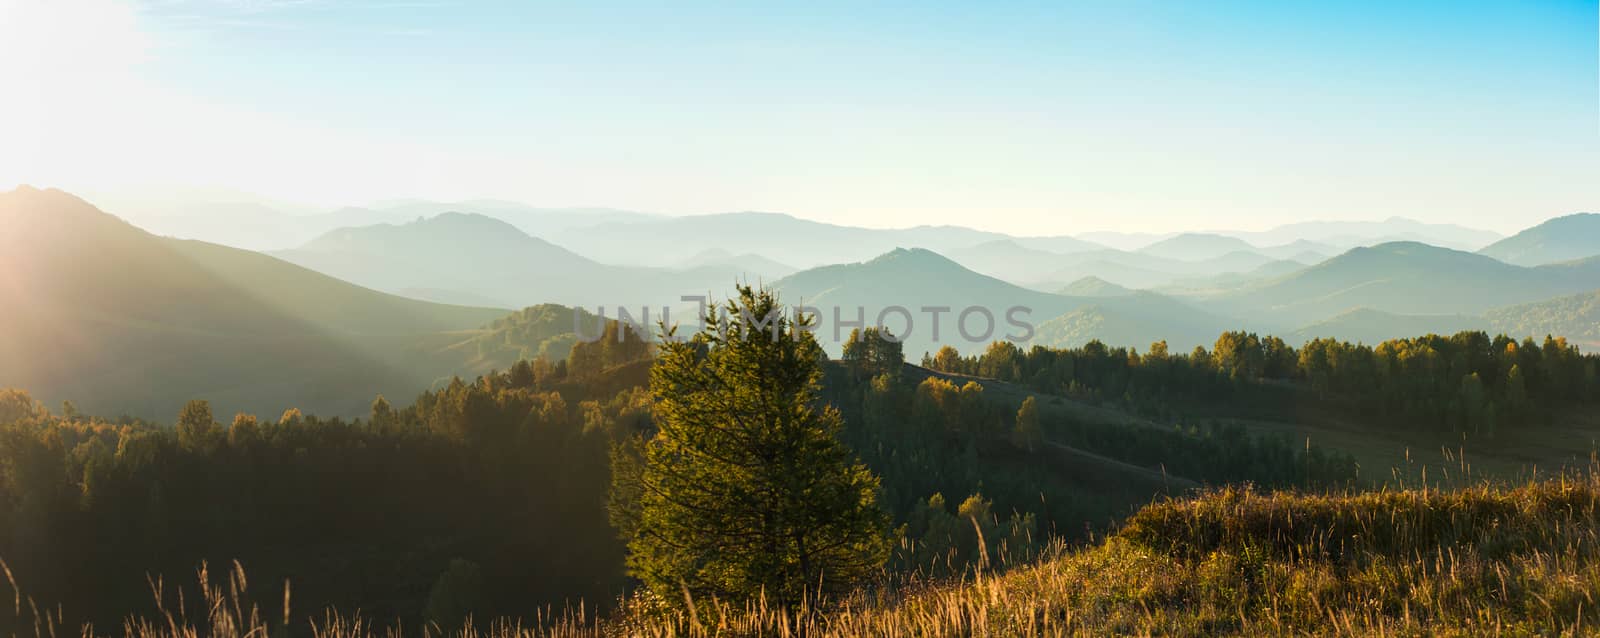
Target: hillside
x: 1094, y: 287
x: 1009, y: 259
x: 1214, y: 284
x: 1576, y: 317
x: 98, y: 308
x: 783, y: 238
x: 1560, y: 239
x: 1349, y: 234
x: 1402, y: 278
x: 748, y: 265
x: 1365, y: 325
x: 1197, y: 247
x: 461, y: 255
x: 1227, y: 562
x: 1135, y: 320
x: 915, y: 278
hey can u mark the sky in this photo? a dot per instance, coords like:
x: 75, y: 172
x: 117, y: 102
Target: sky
x: 1028, y: 118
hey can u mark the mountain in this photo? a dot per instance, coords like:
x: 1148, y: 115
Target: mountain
x: 748, y: 265
x: 1135, y: 320
x: 1405, y: 278
x: 914, y: 279
x: 1113, y: 266
x: 97, y: 308
x: 1227, y: 281
x: 1060, y: 244
x: 462, y: 255
x: 779, y: 237
x: 1197, y: 247
x: 276, y: 226
x: 545, y: 330
x: 1139, y: 270
x: 1236, y: 261
x: 1560, y: 239
x: 1009, y: 259
x: 1576, y: 317
x: 1094, y: 287
x: 1372, y: 327
x: 1302, y: 250
x: 1123, y: 241
x: 1349, y: 234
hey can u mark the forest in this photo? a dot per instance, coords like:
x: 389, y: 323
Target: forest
x: 1468, y: 382
x: 481, y: 496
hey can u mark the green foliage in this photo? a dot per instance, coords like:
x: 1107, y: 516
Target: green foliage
x: 746, y: 489
x: 1418, y: 383
x: 455, y: 596
x: 1027, y: 434
x: 875, y: 351
x: 359, y: 514
x: 618, y: 344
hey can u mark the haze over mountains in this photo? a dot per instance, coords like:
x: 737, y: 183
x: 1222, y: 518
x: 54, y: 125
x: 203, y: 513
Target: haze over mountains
x: 395, y: 305
x: 1560, y: 239
x: 471, y: 256
x: 96, y: 308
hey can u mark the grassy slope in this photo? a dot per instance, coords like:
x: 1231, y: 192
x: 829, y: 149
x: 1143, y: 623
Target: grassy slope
x: 1476, y: 561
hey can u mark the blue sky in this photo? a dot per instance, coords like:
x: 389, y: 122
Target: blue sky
x: 1024, y: 117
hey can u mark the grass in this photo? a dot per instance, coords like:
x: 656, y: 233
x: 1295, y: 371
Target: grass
x: 1484, y: 560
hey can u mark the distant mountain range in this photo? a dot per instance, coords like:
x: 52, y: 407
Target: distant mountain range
x: 1403, y: 278
x: 256, y: 226
x: 1094, y: 287
x: 1197, y: 247
x: 1557, y: 240
x: 914, y: 279
x: 472, y: 256
x: 783, y: 238
x: 1350, y: 234
x: 409, y: 295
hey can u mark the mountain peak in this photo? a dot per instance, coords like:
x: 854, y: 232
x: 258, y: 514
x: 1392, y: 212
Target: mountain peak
x: 911, y: 255
x: 1558, y: 239
x: 1092, y: 286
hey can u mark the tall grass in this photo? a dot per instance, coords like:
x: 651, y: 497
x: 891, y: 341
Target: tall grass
x: 1484, y: 560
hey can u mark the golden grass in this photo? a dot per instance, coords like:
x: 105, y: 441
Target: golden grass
x: 1485, y: 560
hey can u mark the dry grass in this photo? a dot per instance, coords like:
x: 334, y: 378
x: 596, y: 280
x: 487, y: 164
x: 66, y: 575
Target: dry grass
x: 1480, y: 561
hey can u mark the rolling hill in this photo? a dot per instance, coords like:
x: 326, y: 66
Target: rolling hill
x: 779, y: 237
x: 1197, y: 247
x: 916, y: 278
x: 1349, y: 234
x: 1557, y: 240
x: 1576, y: 317
x: 1372, y: 327
x: 97, y: 308
x: 1404, y: 278
x: 749, y: 265
x: 1094, y: 287
x: 462, y: 255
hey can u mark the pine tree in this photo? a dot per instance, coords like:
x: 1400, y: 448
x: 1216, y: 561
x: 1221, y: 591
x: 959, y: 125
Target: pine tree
x: 746, y: 489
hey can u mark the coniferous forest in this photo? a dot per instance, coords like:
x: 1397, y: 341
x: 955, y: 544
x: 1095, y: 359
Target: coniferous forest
x: 597, y: 476
x: 420, y: 319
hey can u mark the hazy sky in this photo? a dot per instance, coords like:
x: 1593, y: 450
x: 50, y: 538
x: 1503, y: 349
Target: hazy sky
x: 1051, y: 117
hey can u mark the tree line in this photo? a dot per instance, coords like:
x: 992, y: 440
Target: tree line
x: 1468, y: 382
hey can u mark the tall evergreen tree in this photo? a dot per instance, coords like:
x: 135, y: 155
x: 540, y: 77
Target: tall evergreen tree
x: 746, y: 488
